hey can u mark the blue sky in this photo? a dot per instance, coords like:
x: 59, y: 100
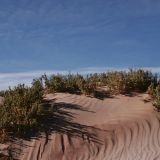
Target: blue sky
x: 70, y: 35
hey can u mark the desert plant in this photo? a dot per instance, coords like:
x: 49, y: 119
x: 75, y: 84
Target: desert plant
x: 2, y: 93
x: 116, y: 82
x: 151, y: 90
x: 88, y: 86
x: 103, y: 79
x: 71, y: 83
x: 157, y: 98
x: 20, y: 111
x: 133, y: 80
x: 140, y: 79
x: 56, y: 83
x: 80, y: 81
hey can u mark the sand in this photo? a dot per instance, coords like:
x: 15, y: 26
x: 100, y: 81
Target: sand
x: 85, y: 128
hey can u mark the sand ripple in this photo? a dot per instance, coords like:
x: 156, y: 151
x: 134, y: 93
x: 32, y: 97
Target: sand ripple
x: 119, y: 128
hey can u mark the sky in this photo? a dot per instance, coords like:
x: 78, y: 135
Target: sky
x: 38, y: 36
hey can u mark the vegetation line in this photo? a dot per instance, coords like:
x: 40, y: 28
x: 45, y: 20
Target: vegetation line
x: 22, y: 111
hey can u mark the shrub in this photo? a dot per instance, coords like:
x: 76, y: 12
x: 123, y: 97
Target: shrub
x: 20, y: 111
x: 140, y: 79
x: 88, y: 86
x: 80, y: 81
x: 56, y: 84
x: 151, y: 90
x: 2, y: 93
x: 117, y: 82
x: 157, y: 98
x: 89, y: 89
x: 37, y: 90
x: 103, y: 79
x: 71, y: 83
x: 94, y: 78
x: 133, y: 80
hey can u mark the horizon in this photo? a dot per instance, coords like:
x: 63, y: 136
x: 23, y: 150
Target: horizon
x: 76, y: 36
x: 12, y: 79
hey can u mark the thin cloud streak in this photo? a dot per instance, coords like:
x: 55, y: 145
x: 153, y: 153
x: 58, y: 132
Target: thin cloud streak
x: 12, y: 79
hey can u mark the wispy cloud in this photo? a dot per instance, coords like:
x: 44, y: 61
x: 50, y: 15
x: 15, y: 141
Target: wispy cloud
x: 12, y: 79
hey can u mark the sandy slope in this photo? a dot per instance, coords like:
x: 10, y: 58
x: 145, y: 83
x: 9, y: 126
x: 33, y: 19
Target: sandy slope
x: 119, y: 128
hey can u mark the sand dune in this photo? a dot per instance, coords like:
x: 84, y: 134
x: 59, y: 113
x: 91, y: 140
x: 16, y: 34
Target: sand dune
x: 118, y: 128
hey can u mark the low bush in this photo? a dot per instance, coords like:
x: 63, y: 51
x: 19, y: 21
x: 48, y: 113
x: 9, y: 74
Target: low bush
x: 56, y: 83
x: 133, y: 80
x: 2, y: 93
x: 117, y: 82
x: 151, y: 89
x: 140, y: 79
x: 20, y: 111
x: 157, y: 98
x: 71, y: 83
x: 88, y: 88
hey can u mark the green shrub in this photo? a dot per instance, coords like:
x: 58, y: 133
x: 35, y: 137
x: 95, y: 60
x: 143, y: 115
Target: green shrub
x: 151, y: 90
x: 71, y: 83
x: 157, y: 98
x: 117, y: 82
x: 20, y: 111
x: 2, y: 93
x: 80, y: 81
x: 94, y: 79
x: 140, y: 79
x: 89, y: 89
x: 103, y: 79
x: 88, y: 86
x: 133, y: 80
x: 56, y: 84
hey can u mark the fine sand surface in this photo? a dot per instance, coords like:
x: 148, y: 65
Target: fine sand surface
x: 85, y: 128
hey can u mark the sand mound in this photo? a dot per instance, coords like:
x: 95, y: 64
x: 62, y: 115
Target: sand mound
x: 84, y: 128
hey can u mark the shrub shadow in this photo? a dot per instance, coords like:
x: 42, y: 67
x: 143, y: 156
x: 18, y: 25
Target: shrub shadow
x: 102, y: 94
x: 58, y: 118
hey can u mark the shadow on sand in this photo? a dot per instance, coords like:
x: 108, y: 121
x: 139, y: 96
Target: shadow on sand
x: 61, y: 120
x: 102, y: 94
x: 58, y: 118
